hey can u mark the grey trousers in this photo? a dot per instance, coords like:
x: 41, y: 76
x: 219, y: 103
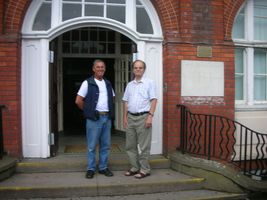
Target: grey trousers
x: 138, y: 143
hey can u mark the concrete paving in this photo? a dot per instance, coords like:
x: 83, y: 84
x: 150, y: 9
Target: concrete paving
x: 181, y: 195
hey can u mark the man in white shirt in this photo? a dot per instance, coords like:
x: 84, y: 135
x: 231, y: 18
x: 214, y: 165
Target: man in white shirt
x: 140, y: 102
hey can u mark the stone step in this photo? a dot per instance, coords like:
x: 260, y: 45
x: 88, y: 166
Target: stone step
x: 74, y: 184
x: 7, y: 167
x: 78, y: 162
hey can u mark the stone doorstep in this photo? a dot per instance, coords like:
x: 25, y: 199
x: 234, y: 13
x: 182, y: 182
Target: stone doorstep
x: 74, y: 184
x: 7, y: 167
x: 78, y: 164
x: 33, y: 184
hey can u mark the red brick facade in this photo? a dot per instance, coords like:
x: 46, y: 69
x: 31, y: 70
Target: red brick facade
x: 185, y: 24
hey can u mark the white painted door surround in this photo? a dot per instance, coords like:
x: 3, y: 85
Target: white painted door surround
x: 35, y: 69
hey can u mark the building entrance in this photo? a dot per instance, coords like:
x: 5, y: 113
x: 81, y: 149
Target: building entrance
x: 78, y: 30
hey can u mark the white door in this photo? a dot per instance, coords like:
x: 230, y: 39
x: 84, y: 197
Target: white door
x: 123, y: 75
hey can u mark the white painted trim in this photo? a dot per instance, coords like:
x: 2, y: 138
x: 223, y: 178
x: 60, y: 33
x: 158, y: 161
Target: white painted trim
x: 35, y: 109
x: 91, y: 22
x: 153, y: 58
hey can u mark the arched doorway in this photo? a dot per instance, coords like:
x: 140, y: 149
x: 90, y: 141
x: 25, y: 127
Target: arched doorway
x: 45, y: 25
x: 73, y: 54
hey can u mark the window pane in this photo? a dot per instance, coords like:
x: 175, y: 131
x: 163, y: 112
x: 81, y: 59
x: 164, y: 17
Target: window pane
x: 84, y: 47
x: 84, y: 35
x: 260, y: 75
x: 101, y: 47
x: 116, y: 1
x: 239, y: 26
x: 66, y: 47
x: 94, y: 10
x: 75, y: 47
x: 66, y: 36
x: 143, y: 21
x: 260, y: 88
x: 111, y: 36
x: 93, y: 47
x: 116, y: 13
x: 259, y: 62
x: 260, y: 20
x: 239, y: 91
x: 71, y: 11
x: 239, y: 74
x: 93, y: 35
x: 260, y: 28
x: 72, y: 0
x: 75, y: 35
x: 95, y: 1
x: 42, y: 20
x: 239, y: 61
x: 111, y: 48
x: 260, y: 3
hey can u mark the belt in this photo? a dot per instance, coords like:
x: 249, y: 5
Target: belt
x: 102, y: 113
x: 138, y: 114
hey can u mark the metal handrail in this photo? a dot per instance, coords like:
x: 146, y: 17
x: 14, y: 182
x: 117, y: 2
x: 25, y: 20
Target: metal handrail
x: 220, y: 138
x: 1, y: 133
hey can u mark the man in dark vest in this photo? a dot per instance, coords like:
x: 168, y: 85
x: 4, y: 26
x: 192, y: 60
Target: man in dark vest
x: 95, y: 98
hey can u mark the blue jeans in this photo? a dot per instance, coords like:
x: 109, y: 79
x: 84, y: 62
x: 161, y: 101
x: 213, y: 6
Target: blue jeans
x: 98, y: 133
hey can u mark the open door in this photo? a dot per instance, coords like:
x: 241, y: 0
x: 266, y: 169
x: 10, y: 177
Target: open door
x: 53, y: 99
x: 123, y: 74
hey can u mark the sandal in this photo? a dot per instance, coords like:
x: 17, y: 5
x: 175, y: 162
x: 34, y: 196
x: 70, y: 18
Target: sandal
x: 130, y: 173
x: 141, y: 175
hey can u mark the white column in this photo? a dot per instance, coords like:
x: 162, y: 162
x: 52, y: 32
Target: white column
x: 35, y: 101
x: 151, y: 53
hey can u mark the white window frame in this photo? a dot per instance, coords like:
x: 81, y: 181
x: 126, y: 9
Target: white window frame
x: 249, y: 44
x: 130, y: 18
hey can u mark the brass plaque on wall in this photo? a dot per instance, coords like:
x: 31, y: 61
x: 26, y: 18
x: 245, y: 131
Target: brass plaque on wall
x: 204, y: 51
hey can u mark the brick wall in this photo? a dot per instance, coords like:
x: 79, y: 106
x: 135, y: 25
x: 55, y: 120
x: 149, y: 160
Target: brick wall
x: 200, y: 23
x: 12, y: 13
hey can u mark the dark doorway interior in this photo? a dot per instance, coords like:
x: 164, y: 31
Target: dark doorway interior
x: 75, y: 71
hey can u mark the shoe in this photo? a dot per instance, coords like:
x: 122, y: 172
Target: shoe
x: 130, y: 173
x: 105, y: 172
x: 141, y: 175
x: 90, y: 174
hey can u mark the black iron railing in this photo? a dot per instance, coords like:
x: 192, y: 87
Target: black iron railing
x: 1, y: 133
x: 222, y: 139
